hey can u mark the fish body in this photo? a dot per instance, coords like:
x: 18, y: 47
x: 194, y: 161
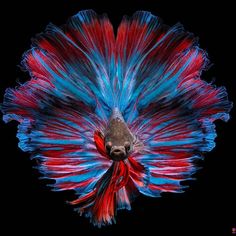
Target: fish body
x: 110, y: 117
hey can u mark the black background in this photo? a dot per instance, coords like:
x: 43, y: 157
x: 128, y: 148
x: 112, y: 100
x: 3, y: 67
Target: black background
x: 206, y: 208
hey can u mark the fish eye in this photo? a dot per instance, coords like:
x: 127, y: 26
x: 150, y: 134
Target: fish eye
x: 127, y: 145
x: 108, y: 146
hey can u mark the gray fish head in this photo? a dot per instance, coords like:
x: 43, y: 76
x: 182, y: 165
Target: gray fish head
x: 118, y: 152
x: 118, y: 138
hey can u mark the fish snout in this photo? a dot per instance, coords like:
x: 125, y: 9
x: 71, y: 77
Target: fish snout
x: 118, y: 153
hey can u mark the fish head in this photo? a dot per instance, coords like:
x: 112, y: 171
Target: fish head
x: 118, y: 140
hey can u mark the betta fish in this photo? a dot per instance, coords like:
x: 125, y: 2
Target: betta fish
x: 113, y: 116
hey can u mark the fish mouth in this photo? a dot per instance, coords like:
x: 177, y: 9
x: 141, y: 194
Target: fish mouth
x: 118, y: 153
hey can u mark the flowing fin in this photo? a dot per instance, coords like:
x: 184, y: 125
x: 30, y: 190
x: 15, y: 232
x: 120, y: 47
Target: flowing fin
x: 176, y: 132
x: 155, y: 59
x: 164, y: 101
x: 66, y: 101
x: 115, y: 190
x: 100, y: 204
x: 60, y: 137
x: 74, y: 62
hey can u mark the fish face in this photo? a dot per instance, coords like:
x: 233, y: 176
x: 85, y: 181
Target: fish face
x: 118, y: 140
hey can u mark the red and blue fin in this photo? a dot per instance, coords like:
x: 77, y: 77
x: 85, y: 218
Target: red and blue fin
x: 165, y: 102
x: 74, y: 62
x: 66, y: 102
